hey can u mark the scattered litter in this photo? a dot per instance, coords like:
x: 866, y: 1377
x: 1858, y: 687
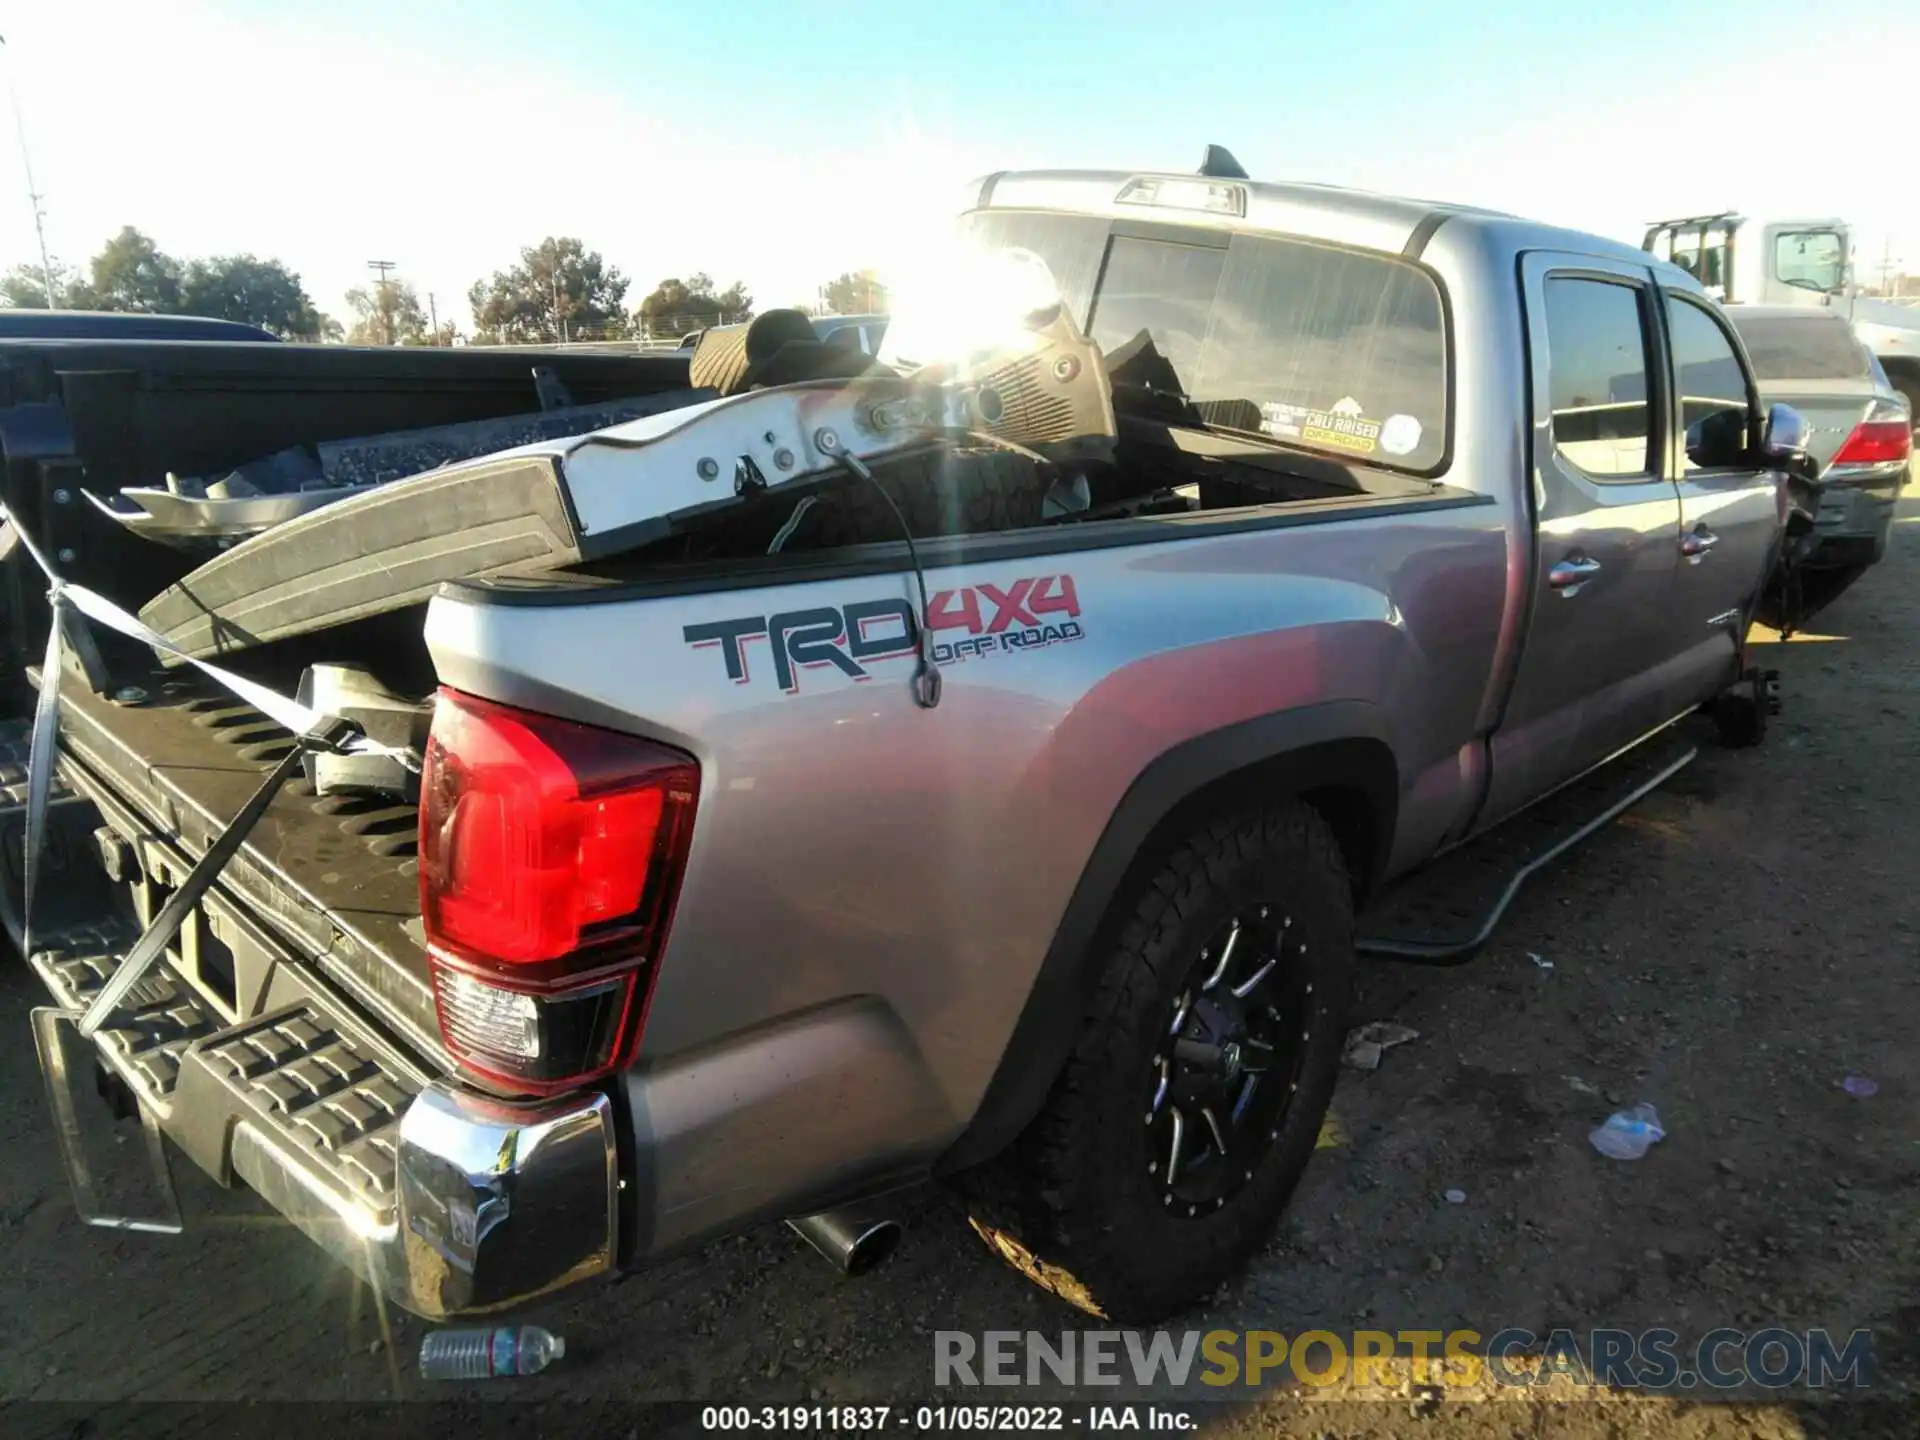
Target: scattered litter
x: 1861, y: 1085
x: 1332, y: 1134
x: 1544, y: 964
x: 1574, y: 1082
x: 483, y: 1354
x: 1456, y: 1197
x: 1366, y: 1043
x: 1628, y: 1134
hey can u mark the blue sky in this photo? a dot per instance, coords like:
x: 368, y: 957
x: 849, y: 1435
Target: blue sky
x: 781, y: 143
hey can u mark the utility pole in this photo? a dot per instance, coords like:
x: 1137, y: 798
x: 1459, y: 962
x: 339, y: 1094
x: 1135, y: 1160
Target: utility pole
x: 381, y: 299
x: 1886, y: 266
x: 433, y: 317
x: 33, y: 194
x: 559, y: 315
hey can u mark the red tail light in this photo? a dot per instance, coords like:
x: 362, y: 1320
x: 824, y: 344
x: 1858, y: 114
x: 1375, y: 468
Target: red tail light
x: 550, y: 858
x: 1877, y: 441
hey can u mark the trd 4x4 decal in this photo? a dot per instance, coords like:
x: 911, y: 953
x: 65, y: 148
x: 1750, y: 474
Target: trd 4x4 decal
x: 1025, y: 615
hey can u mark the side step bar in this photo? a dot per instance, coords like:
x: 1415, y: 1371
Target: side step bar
x: 1444, y: 913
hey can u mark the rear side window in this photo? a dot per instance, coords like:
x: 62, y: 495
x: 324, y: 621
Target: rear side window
x: 1335, y: 350
x: 1597, y: 377
x: 1713, y: 387
x: 1072, y: 246
x: 1819, y: 347
x: 1166, y: 292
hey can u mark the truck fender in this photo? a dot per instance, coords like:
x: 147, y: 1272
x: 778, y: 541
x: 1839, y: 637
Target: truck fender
x: 1335, y: 752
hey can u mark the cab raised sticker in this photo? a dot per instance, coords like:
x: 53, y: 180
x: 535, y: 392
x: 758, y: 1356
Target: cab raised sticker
x: 1341, y: 426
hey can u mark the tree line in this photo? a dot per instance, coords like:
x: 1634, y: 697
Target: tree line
x: 559, y: 290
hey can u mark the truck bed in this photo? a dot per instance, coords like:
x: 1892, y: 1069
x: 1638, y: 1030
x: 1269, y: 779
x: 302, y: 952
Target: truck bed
x: 82, y: 418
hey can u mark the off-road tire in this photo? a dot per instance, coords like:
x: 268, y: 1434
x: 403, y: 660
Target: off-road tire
x: 1072, y: 1204
x: 939, y: 492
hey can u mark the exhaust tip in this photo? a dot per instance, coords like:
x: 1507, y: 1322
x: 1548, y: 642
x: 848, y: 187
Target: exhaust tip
x: 853, y: 1242
x: 873, y: 1246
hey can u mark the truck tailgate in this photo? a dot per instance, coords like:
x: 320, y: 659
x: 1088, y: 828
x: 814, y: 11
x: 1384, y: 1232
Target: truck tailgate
x: 335, y: 876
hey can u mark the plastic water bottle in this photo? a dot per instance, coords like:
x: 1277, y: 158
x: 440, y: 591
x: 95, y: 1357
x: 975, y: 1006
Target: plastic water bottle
x: 1628, y: 1134
x: 483, y: 1354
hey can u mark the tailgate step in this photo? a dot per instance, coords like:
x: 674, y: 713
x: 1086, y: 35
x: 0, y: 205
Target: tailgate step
x: 301, y: 1075
x: 162, y: 1015
x: 1444, y: 912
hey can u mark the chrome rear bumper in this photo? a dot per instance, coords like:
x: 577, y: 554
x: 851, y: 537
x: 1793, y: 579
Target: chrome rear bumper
x: 448, y: 1201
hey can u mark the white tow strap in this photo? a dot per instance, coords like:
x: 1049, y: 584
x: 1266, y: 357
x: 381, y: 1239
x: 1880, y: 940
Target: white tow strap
x: 66, y: 599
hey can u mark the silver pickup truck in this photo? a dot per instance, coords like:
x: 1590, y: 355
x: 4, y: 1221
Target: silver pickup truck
x: 983, y: 765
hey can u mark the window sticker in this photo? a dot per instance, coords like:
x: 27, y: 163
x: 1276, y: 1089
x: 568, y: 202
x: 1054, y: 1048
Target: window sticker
x: 1400, y: 435
x: 1341, y: 426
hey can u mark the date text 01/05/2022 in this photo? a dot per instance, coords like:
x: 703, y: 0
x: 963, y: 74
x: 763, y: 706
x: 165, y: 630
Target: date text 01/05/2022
x: 989, y: 1418
x: 1030, y: 613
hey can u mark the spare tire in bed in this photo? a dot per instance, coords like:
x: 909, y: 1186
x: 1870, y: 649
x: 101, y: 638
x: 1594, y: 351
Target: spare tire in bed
x: 939, y: 492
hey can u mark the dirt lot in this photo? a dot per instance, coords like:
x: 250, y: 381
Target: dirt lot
x: 1730, y: 951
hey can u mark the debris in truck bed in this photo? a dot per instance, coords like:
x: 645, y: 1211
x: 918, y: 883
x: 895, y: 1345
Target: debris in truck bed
x: 379, y: 458
x: 293, y: 482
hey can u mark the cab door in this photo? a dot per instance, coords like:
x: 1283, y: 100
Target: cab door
x: 1730, y: 507
x: 1606, y: 517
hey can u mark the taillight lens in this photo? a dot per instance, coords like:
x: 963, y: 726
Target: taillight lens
x: 1881, y: 439
x: 550, y: 858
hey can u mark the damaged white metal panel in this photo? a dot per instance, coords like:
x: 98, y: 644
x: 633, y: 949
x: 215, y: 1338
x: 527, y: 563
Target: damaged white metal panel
x: 622, y: 479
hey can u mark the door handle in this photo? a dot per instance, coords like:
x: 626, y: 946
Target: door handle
x: 1696, y: 543
x: 1569, y: 575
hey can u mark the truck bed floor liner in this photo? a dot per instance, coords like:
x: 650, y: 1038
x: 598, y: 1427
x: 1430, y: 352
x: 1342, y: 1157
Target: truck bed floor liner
x: 1443, y: 913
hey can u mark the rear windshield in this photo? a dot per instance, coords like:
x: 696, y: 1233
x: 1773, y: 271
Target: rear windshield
x: 1816, y: 348
x: 1340, y: 351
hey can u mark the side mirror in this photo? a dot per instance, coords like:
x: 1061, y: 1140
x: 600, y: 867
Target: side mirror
x: 1719, y: 438
x: 1784, y: 446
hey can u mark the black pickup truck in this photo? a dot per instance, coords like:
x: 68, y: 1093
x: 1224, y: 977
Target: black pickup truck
x: 81, y: 419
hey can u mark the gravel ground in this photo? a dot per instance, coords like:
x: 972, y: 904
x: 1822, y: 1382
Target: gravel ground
x: 1730, y: 951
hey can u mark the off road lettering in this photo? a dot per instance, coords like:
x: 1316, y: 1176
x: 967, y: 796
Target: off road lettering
x: 1027, y: 614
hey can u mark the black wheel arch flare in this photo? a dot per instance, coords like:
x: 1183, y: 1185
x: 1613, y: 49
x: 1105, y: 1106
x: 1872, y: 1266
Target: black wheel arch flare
x: 1334, y: 754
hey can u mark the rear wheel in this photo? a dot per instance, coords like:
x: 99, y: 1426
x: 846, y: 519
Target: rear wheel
x: 1194, y: 1096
